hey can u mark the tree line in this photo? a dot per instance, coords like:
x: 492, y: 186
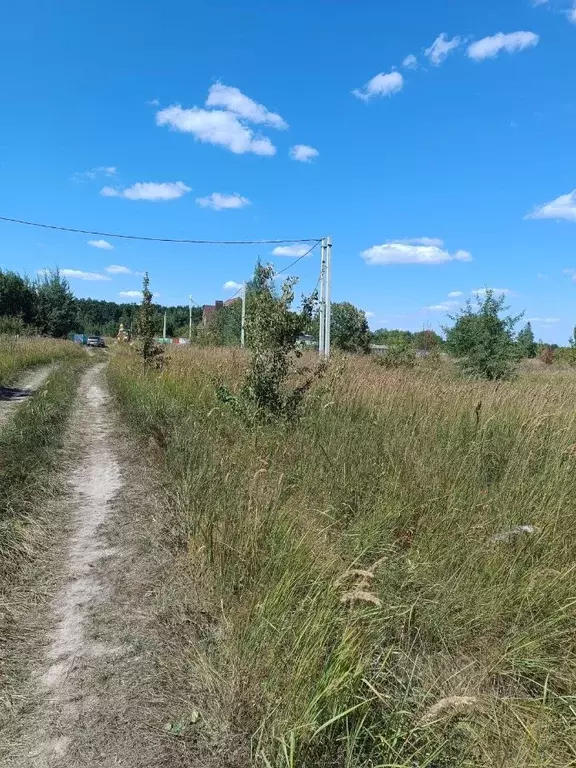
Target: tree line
x: 47, y: 306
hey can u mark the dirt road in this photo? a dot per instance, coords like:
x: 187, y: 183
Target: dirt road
x: 26, y: 386
x: 91, y: 697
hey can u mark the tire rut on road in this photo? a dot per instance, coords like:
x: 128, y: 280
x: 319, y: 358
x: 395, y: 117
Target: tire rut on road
x: 26, y: 386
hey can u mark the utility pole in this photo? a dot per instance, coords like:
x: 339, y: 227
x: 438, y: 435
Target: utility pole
x: 243, y: 319
x: 327, y: 292
x: 190, y: 318
x: 164, y: 330
x: 322, y: 331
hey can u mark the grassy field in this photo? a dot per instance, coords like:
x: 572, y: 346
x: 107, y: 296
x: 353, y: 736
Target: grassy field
x: 17, y: 354
x: 362, y: 593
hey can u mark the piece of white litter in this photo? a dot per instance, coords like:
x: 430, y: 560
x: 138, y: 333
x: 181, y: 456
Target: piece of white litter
x: 518, y: 530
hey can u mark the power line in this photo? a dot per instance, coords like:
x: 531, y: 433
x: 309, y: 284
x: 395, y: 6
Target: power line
x: 161, y: 239
x: 303, y: 256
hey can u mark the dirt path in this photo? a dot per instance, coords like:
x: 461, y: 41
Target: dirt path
x: 92, y: 698
x: 27, y: 385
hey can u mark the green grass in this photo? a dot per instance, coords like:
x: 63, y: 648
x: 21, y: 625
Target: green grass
x: 17, y: 354
x: 29, y: 443
x: 450, y: 649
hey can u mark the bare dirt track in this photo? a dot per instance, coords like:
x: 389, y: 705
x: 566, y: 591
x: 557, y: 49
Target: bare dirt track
x: 30, y: 382
x: 92, y: 694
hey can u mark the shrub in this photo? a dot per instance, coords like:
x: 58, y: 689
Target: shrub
x: 482, y: 339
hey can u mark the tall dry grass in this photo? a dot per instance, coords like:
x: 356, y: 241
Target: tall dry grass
x: 19, y: 353
x: 379, y: 604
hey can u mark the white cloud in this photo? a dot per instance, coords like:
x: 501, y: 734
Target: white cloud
x: 131, y: 294
x: 102, y: 244
x: 384, y: 84
x: 455, y: 294
x: 219, y: 201
x: 441, y: 48
x: 572, y: 14
x: 215, y: 127
x: 404, y: 253
x: 369, y: 314
x: 231, y: 285
x: 153, y: 103
x: 290, y: 250
x: 149, y: 190
x: 540, y: 2
x: 481, y: 292
x: 489, y: 47
x: 444, y: 306
x: 410, y: 62
x: 78, y: 274
x: 119, y: 269
x: 563, y: 207
x: 92, y: 173
x: 235, y: 101
x: 543, y: 320
x: 303, y: 153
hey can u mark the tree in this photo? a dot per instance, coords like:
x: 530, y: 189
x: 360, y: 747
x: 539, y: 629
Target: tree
x: 526, y: 342
x: 427, y: 341
x: 272, y: 332
x: 17, y: 297
x: 572, y: 348
x: 349, y: 328
x: 482, y: 339
x: 55, y: 305
x: 392, y: 336
x: 150, y: 352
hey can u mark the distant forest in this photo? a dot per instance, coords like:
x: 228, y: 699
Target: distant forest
x: 104, y: 317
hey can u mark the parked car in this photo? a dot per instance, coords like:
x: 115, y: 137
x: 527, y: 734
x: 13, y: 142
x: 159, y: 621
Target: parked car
x: 95, y: 341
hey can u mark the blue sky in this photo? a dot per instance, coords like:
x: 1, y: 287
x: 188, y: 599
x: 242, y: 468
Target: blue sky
x: 435, y: 175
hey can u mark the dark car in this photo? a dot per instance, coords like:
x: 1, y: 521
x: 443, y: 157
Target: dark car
x: 95, y: 341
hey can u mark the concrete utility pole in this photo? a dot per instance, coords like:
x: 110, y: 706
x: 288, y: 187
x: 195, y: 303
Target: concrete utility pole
x: 322, y: 299
x: 164, y: 330
x: 190, y: 317
x: 243, y: 318
x: 327, y: 294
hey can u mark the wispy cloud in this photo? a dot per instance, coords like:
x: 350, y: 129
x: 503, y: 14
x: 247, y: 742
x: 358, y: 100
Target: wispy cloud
x: 102, y: 244
x: 402, y: 252
x: 219, y: 201
x: 303, y: 153
x: 369, y: 314
x: 119, y: 269
x: 131, y: 294
x: 235, y: 101
x: 93, y: 173
x: 444, y: 306
x: 441, y: 48
x: 77, y: 274
x: 290, y: 250
x: 410, y: 62
x: 148, y: 190
x: 489, y: 47
x: 481, y: 292
x: 563, y: 207
x: 455, y: 294
x: 231, y: 285
x: 543, y: 320
x: 383, y: 84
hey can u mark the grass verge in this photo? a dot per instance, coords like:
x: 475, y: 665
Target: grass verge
x: 29, y: 444
x: 379, y: 603
x: 19, y: 353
